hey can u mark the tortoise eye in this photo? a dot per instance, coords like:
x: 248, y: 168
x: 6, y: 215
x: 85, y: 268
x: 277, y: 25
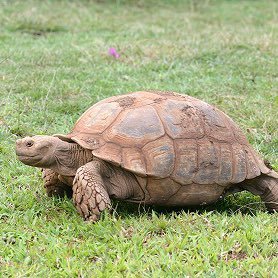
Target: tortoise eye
x: 29, y: 144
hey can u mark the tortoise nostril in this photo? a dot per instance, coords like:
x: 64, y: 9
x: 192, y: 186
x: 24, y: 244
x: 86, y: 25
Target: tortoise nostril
x: 18, y: 141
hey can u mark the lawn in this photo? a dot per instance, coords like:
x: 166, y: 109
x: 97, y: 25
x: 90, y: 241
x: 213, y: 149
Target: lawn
x: 54, y: 64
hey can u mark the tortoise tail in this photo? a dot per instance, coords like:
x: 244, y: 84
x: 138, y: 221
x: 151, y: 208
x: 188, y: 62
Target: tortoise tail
x: 266, y: 186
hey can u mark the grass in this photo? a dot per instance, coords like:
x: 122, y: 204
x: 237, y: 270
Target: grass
x: 54, y: 65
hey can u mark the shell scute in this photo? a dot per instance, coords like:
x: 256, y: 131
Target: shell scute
x: 253, y: 169
x: 110, y: 152
x: 225, y: 173
x: 160, y: 190
x: 186, y: 164
x: 97, y: 118
x: 160, y: 157
x: 194, y: 194
x: 208, y: 162
x: 214, y: 122
x: 133, y: 160
x: 135, y: 127
x: 181, y: 120
x: 239, y: 160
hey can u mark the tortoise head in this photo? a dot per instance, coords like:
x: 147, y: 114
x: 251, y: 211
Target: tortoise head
x: 38, y: 150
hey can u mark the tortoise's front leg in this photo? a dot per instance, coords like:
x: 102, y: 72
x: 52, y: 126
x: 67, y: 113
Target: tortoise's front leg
x: 89, y: 193
x: 54, y: 187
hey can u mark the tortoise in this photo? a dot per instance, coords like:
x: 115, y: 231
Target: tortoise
x: 157, y: 148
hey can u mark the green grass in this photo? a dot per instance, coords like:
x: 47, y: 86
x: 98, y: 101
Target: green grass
x: 54, y: 65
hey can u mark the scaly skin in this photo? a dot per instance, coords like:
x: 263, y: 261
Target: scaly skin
x: 54, y: 187
x: 89, y: 193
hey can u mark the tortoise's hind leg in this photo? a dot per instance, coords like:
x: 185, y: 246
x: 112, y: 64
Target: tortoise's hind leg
x: 266, y: 186
x: 54, y: 187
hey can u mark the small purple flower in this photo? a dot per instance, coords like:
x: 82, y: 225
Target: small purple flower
x: 113, y: 52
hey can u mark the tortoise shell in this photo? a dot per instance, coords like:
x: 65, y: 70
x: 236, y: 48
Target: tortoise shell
x: 168, y: 135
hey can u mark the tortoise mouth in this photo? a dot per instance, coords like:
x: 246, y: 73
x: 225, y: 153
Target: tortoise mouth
x: 26, y: 155
x: 29, y: 159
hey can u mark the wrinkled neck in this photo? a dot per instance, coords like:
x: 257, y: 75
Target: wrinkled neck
x: 79, y: 156
x: 69, y: 157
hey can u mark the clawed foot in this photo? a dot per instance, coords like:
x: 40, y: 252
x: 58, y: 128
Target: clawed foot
x: 54, y: 187
x: 89, y: 194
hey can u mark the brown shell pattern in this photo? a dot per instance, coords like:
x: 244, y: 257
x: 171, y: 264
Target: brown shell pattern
x: 163, y: 134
